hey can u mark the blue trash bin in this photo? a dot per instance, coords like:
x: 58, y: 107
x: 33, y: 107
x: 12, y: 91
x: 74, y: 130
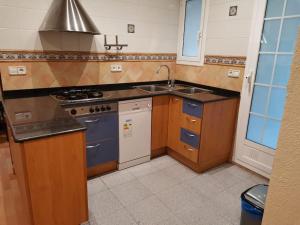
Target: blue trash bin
x: 253, y: 203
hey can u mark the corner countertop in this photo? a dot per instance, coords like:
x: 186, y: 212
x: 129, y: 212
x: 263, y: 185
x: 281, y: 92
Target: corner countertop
x: 36, y: 116
x: 134, y: 93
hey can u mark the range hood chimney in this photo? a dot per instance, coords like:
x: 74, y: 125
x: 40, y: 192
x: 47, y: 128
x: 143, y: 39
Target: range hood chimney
x: 68, y: 16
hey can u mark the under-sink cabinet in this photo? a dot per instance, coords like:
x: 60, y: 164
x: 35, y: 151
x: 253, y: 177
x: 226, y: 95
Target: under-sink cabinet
x: 199, y: 135
x: 159, y: 129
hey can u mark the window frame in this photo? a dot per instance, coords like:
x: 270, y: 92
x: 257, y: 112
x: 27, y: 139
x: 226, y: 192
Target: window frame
x: 199, y: 59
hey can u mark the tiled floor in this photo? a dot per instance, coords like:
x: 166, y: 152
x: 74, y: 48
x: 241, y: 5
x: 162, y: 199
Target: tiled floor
x: 164, y: 192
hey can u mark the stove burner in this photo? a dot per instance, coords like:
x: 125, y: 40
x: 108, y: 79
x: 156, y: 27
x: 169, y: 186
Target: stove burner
x: 94, y: 94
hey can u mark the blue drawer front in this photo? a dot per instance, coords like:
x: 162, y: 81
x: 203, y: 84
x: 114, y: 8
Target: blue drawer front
x: 189, y: 138
x: 192, y: 108
x: 100, y: 127
x: 102, y: 152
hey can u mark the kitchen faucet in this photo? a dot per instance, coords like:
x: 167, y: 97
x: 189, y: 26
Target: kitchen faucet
x: 170, y: 81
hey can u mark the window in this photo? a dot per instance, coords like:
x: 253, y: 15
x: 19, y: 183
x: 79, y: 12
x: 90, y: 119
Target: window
x: 192, y: 21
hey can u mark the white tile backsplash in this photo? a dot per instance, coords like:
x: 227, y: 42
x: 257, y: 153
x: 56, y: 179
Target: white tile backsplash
x: 156, y: 25
x: 228, y: 35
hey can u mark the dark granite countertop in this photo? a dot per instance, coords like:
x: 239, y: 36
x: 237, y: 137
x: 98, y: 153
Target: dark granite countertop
x: 137, y: 93
x: 36, y: 116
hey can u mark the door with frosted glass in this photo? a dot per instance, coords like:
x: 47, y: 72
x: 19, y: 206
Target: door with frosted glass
x: 270, y: 54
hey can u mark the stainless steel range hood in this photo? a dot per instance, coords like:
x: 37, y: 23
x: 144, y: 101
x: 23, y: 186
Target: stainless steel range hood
x: 68, y: 16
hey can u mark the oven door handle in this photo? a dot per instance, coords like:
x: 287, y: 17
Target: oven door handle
x: 93, y: 146
x: 92, y: 121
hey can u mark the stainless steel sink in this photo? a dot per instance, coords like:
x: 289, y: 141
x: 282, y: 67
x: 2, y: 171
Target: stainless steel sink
x: 178, y: 88
x: 152, y: 88
x: 175, y: 87
x: 193, y: 90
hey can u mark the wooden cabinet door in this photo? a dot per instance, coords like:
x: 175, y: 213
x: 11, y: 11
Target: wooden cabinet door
x: 160, y: 117
x: 175, y: 114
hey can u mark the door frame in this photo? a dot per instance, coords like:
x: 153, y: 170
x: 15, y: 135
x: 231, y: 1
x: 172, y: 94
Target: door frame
x: 259, y: 10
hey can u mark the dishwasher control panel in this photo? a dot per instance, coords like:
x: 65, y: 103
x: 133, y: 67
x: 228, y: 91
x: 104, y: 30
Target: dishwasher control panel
x: 135, y: 105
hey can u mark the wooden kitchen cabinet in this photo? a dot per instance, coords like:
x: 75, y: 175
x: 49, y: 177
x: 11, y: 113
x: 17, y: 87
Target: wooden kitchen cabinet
x: 175, y: 117
x: 160, y: 118
x: 178, y: 120
x: 51, y: 175
x: 201, y: 135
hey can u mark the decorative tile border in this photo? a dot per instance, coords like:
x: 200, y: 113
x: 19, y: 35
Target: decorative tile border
x: 225, y: 60
x: 37, y: 56
x: 32, y: 56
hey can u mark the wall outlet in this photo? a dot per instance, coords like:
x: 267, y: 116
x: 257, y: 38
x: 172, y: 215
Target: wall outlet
x: 234, y: 73
x: 17, y: 70
x: 23, y: 116
x: 22, y: 70
x: 116, y: 68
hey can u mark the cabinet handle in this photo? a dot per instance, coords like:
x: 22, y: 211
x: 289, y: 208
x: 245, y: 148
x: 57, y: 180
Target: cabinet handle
x: 191, y: 120
x: 93, y: 146
x: 175, y: 99
x: 189, y: 149
x: 92, y: 121
x: 193, y: 105
x: 190, y: 135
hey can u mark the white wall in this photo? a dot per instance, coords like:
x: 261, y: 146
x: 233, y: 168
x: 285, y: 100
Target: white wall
x: 156, y: 24
x: 228, y: 35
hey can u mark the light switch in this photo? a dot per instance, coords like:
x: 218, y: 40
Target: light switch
x: 233, y: 73
x: 12, y: 70
x: 17, y: 70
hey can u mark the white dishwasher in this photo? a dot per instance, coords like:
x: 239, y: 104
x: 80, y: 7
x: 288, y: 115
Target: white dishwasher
x: 134, y: 132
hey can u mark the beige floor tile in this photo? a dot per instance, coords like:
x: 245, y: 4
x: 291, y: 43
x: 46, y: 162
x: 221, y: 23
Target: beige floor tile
x: 180, y: 172
x: 158, y: 181
x: 171, y: 221
x: 95, y: 186
x: 149, y: 211
x: 131, y: 192
x: 180, y: 196
x: 142, y: 169
x: 103, y: 203
x: 163, y: 162
x: 164, y: 192
x: 117, y: 178
x: 120, y: 217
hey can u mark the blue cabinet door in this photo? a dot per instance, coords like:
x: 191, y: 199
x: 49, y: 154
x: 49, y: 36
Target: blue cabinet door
x: 100, y: 127
x: 102, y: 152
x: 192, y: 108
x: 189, y: 138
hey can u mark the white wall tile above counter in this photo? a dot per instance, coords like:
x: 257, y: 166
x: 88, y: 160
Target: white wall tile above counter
x: 156, y: 25
x: 228, y: 35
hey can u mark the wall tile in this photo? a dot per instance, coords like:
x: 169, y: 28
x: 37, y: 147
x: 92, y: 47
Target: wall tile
x: 111, y: 17
x: 228, y: 35
x: 210, y: 75
x: 227, y: 46
x: 63, y: 74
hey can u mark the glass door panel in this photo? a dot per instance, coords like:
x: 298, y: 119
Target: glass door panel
x: 281, y: 26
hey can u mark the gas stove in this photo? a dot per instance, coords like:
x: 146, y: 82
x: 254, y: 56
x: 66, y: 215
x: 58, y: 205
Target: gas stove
x: 78, y: 95
x: 82, y: 102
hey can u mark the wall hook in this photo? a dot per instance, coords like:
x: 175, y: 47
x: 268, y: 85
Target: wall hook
x: 116, y: 45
